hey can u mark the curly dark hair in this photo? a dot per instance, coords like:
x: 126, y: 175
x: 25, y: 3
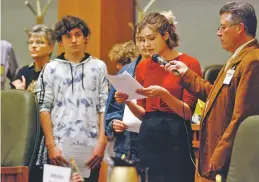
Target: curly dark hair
x: 162, y: 25
x: 67, y: 23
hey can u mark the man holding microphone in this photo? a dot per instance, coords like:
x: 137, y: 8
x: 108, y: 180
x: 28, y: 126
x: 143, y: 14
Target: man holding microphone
x: 232, y: 98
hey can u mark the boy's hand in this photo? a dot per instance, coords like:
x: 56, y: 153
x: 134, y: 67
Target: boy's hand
x: 97, y: 156
x: 56, y: 157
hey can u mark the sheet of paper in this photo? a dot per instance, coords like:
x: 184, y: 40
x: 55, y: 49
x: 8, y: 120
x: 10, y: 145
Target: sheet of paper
x: 125, y: 83
x: 81, y: 151
x: 131, y: 120
x: 53, y: 173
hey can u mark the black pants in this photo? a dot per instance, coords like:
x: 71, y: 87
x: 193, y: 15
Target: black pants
x: 94, y: 175
x: 36, y: 175
x: 165, y: 148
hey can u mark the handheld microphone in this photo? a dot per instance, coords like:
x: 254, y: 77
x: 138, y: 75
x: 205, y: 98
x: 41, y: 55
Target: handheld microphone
x: 156, y: 58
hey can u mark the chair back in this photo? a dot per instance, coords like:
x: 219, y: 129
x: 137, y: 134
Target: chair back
x: 211, y: 72
x: 244, y: 164
x: 20, y: 128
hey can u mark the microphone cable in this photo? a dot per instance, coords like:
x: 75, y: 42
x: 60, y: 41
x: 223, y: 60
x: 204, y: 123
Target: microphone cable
x: 188, y: 137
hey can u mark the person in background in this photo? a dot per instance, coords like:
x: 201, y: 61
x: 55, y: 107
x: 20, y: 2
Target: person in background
x: 123, y: 54
x: 72, y: 91
x: 9, y: 64
x: 165, y: 138
x: 126, y: 142
x: 41, y: 41
x: 233, y: 96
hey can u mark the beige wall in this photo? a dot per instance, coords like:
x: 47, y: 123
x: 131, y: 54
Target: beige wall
x: 198, y: 21
x: 197, y: 24
x: 15, y: 17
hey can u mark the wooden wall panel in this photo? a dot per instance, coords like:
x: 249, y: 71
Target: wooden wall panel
x: 108, y: 21
x: 114, y: 26
x: 89, y: 11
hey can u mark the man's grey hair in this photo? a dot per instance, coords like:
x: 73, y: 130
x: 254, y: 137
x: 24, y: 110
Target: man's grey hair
x: 242, y: 12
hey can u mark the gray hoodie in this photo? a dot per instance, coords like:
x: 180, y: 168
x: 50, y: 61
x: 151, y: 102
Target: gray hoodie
x: 74, y: 94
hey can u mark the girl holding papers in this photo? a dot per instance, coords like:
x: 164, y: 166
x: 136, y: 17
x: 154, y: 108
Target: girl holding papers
x: 165, y: 134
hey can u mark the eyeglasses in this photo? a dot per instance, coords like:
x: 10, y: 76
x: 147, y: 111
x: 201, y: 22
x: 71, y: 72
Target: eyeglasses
x: 37, y: 42
x: 222, y: 28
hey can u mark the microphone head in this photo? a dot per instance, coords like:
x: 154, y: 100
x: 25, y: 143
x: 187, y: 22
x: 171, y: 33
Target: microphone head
x: 155, y: 58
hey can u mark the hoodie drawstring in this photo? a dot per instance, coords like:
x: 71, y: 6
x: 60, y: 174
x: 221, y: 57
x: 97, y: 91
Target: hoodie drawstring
x: 71, y: 69
x: 83, y: 76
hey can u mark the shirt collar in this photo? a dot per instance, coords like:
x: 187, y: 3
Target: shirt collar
x: 238, y: 50
x: 31, y: 65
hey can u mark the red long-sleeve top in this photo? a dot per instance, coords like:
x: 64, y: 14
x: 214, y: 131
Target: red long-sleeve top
x: 150, y: 73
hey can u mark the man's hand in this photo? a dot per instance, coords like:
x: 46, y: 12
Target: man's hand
x: 176, y: 67
x: 20, y: 84
x: 56, y: 157
x: 97, y: 156
x: 119, y: 126
x: 212, y: 167
x: 152, y: 91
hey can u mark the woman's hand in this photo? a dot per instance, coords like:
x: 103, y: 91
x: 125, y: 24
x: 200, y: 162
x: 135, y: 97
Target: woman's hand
x: 20, y: 84
x: 152, y: 91
x: 119, y: 126
x: 121, y: 97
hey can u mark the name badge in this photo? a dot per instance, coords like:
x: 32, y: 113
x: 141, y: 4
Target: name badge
x: 229, y: 76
